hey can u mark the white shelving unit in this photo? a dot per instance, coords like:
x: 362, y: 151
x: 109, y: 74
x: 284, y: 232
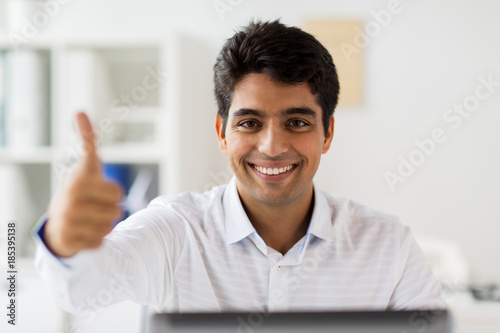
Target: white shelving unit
x: 139, y: 95
x: 124, y: 88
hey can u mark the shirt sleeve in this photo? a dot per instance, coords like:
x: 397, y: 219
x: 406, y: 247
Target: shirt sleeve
x: 135, y: 262
x: 416, y: 287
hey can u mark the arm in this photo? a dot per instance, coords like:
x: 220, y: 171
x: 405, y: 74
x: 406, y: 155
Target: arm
x: 135, y: 262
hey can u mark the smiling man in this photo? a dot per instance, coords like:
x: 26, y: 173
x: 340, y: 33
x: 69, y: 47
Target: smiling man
x: 267, y: 241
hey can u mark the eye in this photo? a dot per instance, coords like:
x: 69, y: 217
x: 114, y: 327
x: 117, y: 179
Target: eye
x: 298, y: 123
x: 248, y: 124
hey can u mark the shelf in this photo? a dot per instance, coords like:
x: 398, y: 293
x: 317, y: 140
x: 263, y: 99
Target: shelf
x: 127, y: 154
x: 132, y: 154
x: 141, y: 114
x: 99, y: 42
x: 26, y: 155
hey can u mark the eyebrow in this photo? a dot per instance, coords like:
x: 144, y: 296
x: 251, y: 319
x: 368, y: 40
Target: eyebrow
x: 302, y: 110
x: 287, y: 112
x: 245, y: 112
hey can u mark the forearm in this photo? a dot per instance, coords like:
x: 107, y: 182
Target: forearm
x: 89, y: 280
x: 135, y: 262
x: 79, y: 284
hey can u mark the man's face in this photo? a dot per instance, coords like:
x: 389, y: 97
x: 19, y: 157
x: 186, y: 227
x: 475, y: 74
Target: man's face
x: 274, y: 139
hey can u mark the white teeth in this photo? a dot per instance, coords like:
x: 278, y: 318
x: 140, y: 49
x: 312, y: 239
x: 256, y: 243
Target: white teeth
x: 273, y: 171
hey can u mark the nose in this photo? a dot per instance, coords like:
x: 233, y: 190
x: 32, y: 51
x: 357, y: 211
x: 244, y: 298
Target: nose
x: 272, y: 140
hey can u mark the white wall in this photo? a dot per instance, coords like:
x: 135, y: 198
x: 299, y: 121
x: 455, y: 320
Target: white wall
x: 427, y: 59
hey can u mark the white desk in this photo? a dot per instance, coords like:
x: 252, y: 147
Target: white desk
x: 472, y: 316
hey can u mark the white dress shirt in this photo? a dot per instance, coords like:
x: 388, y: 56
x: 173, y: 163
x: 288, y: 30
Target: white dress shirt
x: 200, y: 252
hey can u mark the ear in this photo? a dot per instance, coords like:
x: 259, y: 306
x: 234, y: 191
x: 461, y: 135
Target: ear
x: 219, y: 129
x: 329, y: 136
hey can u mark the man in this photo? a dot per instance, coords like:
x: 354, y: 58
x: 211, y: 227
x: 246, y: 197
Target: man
x: 267, y: 241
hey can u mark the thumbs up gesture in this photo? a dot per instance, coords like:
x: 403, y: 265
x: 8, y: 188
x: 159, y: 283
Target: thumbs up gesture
x: 83, y: 212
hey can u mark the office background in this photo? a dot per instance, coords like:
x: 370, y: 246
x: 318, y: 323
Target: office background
x: 418, y: 67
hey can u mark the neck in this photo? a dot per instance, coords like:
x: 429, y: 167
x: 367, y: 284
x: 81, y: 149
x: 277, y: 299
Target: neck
x: 281, y: 226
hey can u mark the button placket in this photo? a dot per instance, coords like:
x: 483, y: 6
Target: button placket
x: 278, y: 290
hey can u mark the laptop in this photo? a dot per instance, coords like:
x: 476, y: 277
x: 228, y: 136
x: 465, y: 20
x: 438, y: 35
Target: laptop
x: 309, y: 322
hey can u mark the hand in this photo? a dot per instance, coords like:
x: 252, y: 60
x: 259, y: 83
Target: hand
x: 84, y: 211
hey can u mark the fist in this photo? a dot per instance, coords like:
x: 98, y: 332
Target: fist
x: 84, y: 211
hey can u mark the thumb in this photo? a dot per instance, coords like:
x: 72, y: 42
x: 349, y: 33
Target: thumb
x: 91, y: 162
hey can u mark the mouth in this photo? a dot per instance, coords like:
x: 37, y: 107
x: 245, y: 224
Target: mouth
x: 273, y: 170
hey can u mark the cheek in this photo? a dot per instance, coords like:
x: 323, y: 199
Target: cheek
x: 238, y: 146
x: 312, y: 149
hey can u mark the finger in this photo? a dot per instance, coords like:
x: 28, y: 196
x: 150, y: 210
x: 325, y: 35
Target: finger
x: 91, y: 228
x: 91, y: 162
x: 96, y: 216
x: 86, y: 242
x: 99, y: 191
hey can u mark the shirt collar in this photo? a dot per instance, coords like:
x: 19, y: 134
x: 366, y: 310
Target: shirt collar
x: 238, y: 226
x: 321, y: 219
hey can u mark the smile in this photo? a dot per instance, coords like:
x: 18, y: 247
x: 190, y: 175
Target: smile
x: 273, y: 171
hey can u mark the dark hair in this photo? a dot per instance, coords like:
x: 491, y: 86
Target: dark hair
x: 285, y: 54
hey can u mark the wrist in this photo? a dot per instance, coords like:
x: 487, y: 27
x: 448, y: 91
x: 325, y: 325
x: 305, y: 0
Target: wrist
x: 50, y: 243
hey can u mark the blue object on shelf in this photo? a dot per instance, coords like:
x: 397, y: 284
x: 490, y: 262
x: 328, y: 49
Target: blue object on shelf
x: 120, y: 174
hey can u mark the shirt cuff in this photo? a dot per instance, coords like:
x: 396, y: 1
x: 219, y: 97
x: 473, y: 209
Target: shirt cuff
x: 39, y: 229
x: 37, y: 234
x: 77, y: 260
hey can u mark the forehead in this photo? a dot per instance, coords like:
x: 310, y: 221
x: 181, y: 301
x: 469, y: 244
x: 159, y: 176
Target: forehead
x: 259, y: 92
